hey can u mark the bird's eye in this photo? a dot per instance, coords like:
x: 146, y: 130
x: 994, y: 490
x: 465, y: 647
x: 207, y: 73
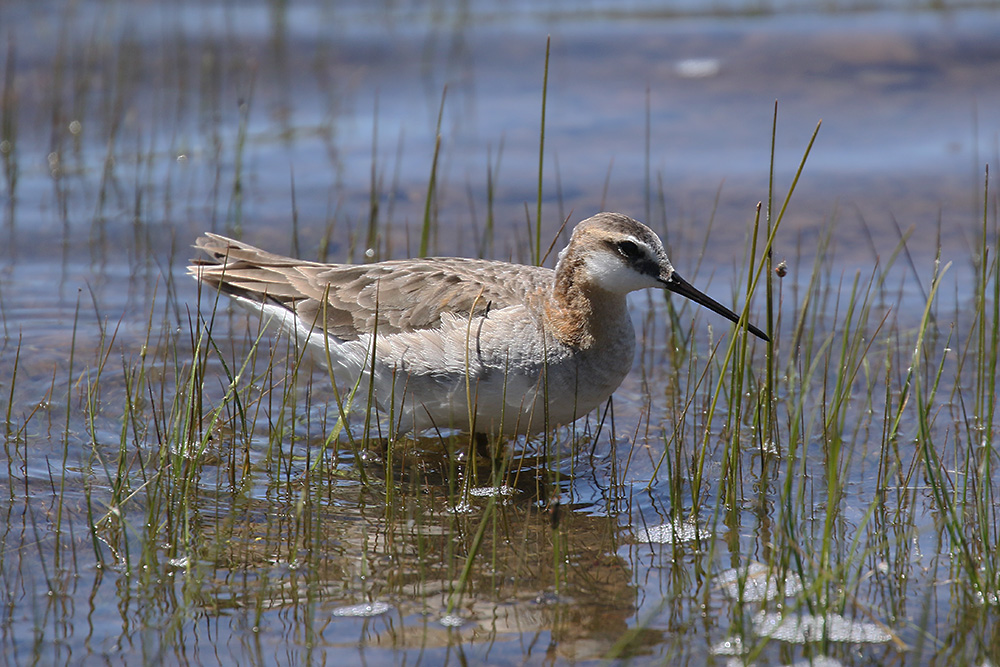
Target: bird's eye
x: 629, y: 250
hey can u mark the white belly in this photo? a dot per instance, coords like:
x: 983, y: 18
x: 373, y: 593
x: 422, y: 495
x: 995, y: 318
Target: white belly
x: 499, y: 374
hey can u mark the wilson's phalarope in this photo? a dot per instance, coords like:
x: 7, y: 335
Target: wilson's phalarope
x: 528, y: 347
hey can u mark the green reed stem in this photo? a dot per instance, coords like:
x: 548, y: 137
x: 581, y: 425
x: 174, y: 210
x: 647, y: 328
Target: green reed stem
x: 235, y: 218
x: 699, y: 469
x: 541, y: 156
x: 373, y: 203
x: 425, y: 231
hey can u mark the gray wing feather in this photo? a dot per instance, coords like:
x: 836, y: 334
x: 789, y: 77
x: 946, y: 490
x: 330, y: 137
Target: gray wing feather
x: 407, y: 295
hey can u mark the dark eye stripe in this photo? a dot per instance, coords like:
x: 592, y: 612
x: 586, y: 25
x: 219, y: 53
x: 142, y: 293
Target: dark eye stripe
x: 638, y: 257
x: 630, y: 250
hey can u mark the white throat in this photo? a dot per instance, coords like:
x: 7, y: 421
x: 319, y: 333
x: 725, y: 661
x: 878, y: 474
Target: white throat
x: 610, y: 273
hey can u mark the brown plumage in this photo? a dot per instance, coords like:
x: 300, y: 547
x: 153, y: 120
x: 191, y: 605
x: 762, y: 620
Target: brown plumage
x: 533, y: 347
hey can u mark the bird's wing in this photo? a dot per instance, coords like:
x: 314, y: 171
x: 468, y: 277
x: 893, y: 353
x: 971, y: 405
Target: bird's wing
x: 406, y: 295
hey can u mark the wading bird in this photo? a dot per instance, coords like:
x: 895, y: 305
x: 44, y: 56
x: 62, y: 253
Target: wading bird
x: 482, y: 346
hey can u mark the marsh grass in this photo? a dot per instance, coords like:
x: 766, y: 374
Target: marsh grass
x: 214, y: 485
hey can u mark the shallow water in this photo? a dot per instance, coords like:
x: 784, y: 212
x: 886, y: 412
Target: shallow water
x: 131, y: 129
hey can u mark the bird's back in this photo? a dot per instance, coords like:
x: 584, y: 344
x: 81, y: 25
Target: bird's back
x: 351, y: 300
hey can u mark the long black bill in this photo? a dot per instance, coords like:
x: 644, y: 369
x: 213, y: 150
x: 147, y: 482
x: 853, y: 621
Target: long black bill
x: 678, y: 285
